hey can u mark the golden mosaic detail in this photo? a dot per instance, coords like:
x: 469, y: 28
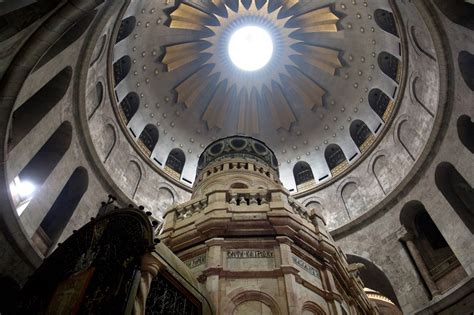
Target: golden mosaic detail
x: 340, y: 168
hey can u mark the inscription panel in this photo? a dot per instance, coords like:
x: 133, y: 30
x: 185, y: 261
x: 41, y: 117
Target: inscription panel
x: 250, y: 259
x: 310, y: 273
x: 196, y: 261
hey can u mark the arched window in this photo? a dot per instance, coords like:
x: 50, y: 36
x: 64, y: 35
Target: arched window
x: 68, y: 38
x: 148, y: 139
x: 335, y: 159
x: 458, y: 11
x: 389, y: 65
x: 457, y: 192
x: 361, y: 135
x: 386, y: 21
x: 433, y: 253
x: 466, y: 66
x: 374, y: 278
x: 31, y: 112
x: 303, y: 174
x: 126, y: 28
x: 466, y: 132
x: 175, y: 163
x: 61, y: 211
x: 35, y: 173
x: 129, y: 106
x: 380, y: 103
x: 122, y: 68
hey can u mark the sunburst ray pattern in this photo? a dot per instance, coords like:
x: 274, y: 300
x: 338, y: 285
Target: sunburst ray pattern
x: 251, y: 93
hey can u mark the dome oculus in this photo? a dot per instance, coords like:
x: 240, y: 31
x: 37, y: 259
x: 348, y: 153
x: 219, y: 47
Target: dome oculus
x: 250, y: 48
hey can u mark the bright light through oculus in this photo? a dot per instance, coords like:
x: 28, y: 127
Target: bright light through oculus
x: 26, y: 189
x: 250, y: 48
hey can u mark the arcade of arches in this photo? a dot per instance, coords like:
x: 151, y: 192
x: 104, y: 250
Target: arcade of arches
x: 335, y: 178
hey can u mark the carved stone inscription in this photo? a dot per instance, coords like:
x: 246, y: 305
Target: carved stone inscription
x: 196, y: 261
x: 249, y: 253
x: 307, y: 267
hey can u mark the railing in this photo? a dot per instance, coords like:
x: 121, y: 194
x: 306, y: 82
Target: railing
x: 248, y: 198
x: 190, y: 208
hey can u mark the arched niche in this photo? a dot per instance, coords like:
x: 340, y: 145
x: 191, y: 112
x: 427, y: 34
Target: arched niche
x: 436, y: 262
x: 248, y: 302
x: 61, y: 211
x: 380, y: 102
x: 132, y: 176
x: 67, y: 39
x: 458, y: 11
x: 175, y: 163
x: 31, y: 112
x: 126, y: 28
x: 148, y: 139
x: 466, y: 66
x: 335, y: 159
x: 129, y: 106
x: 389, y: 64
x: 99, y: 97
x: 108, y: 142
x: 98, y: 50
x: 384, y: 173
x: 122, y: 68
x: 374, y: 278
x: 41, y: 165
x: 457, y: 191
x: 352, y: 199
x: 465, y: 128
x: 386, y: 21
x: 361, y: 135
x: 165, y: 199
x: 310, y: 308
x: 239, y: 185
x: 303, y: 175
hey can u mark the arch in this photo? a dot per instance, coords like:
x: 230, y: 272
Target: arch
x: 41, y: 165
x: 389, y: 64
x: 302, y: 173
x: 129, y: 106
x: 408, y: 136
x: 63, y: 208
x: 238, y: 297
x: 352, y: 200
x: 109, y: 140
x: 122, y: 68
x: 311, y: 308
x: 239, y: 185
x: 383, y: 172
x: 32, y: 111
x: 126, y: 28
x: 335, y: 159
x: 386, y: 21
x: 458, y: 11
x: 457, y: 191
x: 98, y: 50
x: 438, y: 259
x: 465, y: 128
x: 99, y: 97
x: 175, y: 162
x: 132, y: 175
x: 148, y: 138
x: 466, y: 66
x: 374, y: 278
x: 165, y: 199
x: 67, y: 39
x: 379, y: 102
x: 360, y: 133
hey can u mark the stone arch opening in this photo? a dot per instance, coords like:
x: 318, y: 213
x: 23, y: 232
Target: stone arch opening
x: 303, y: 174
x: 435, y: 261
x: 122, y: 68
x: 379, y: 102
x: 61, y: 211
x: 41, y: 165
x: 31, y: 112
x: 389, y: 64
x: 175, y: 163
x: 126, y: 28
x: 457, y: 191
x: 465, y: 128
x: 67, y: 39
x: 361, y: 135
x: 148, y: 139
x: 129, y: 106
x: 335, y: 159
x: 386, y: 21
